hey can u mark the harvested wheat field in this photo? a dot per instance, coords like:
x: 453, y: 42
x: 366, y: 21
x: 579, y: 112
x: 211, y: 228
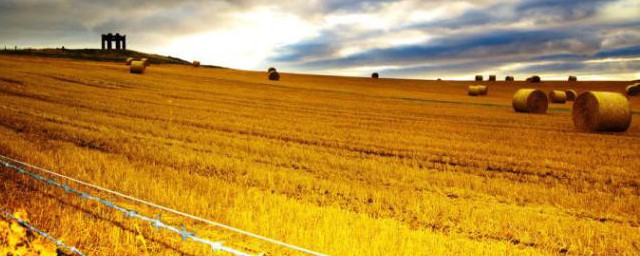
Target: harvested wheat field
x: 337, y: 165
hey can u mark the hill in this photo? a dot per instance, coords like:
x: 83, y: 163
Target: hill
x: 97, y: 55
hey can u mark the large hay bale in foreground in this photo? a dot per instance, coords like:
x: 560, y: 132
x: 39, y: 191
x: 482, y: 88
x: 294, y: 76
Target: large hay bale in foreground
x: 137, y: 67
x: 196, y: 64
x: 474, y: 90
x: 375, y: 75
x: 492, y: 78
x: 556, y: 96
x: 601, y: 111
x: 479, y: 78
x: 530, y: 101
x: 633, y: 89
x: 571, y: 94
x: 509, y: 79
x: 271, y: 69
x: 274, y: 76
x: 573, y: 79
x: 128, y: 61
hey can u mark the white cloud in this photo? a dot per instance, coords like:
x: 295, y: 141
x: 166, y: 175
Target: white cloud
x: 251, y: 38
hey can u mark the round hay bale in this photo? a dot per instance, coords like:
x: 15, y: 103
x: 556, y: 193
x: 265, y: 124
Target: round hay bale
x: 509, y: 79
x: 484, y: 90
x: 145, y: 61
x: 375, y: 75
x: 271, y: 69
x: 530, y: 101
x: 492, y: 78
x: 196, y: 64
x: 573, y: 79
x: 633, y: 90
x: 556, y: 96
x: 274, y: 76
x: 601, y: 111
x: 137, y: 67
x: 479, y: 78
x: 534, y: 79
x: 474, y: 90
x: 128, y: 61
x: 571, y: 94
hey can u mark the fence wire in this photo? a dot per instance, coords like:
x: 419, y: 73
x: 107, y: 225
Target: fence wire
x: 190, y: 216
x: 155, y: 222
x: 32, y: 228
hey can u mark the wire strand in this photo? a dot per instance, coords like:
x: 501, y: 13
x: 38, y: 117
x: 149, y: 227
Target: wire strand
x: 157, y: 223
x: 25, y: 224
x: 151, y: 204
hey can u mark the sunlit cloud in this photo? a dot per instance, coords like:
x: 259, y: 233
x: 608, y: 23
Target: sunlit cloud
x: 245, y: 44
x: 402, y: 38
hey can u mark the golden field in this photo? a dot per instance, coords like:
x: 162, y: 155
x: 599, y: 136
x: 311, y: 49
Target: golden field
x: 344, y: 166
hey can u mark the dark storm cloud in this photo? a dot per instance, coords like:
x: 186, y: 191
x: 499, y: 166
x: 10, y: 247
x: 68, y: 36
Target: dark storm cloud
x: 477, y: 39
x: 475, y: 46
x: 536, y: 11
x: 561, y: 63
x: 588, y: 67
x: 632, y: 51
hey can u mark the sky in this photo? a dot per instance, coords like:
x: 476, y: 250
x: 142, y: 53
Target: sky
x: 448, y: 39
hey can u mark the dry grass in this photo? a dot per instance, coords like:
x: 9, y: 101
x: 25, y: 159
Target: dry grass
x: 346, y: 166
x: 18, y: 240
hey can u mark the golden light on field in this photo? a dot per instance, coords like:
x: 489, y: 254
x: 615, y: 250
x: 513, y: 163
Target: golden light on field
x: 344, y: 166
x: 356, y: 127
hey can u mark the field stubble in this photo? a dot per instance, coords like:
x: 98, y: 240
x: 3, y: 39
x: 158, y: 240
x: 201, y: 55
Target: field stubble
x: 346, y: 166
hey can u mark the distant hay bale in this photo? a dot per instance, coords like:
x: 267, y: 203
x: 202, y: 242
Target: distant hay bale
x: 530, y: 101
x: 509, y: 79
x: 571, y: 94
x: 137, y: 67
x: 196, y: 64
x: 271, y: 69
x: 633, y: 90
x: 573, y: 79
x: 479, y: 78
x: 128, y: 61
x: 484, y: 90
x: 492, y: 78
x: 601, y: 111
x: 274, y: 76
x: 375, y: 75
x: 556, y: 96
x: 145, y: 61
x: 534, y: 79
x: 474, y: 90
